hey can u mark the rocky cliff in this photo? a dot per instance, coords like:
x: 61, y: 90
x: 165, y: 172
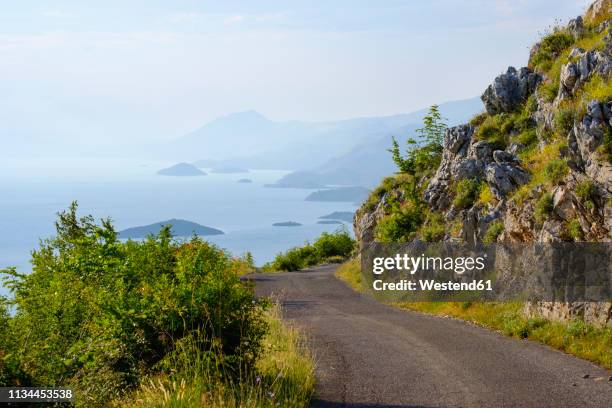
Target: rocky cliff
x: 534, y: 167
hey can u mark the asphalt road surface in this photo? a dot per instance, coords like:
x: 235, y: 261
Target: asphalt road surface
x: 372, y: 355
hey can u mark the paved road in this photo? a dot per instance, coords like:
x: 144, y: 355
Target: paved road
x: 372, y: 355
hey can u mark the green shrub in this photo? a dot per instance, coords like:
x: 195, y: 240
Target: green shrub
x: 400, y: 226
x: 551, y: 47
x: 490, y: 131
x: 97, y: 314
x: 544, y: 207
x: 528, y: 137
x: 556, y: 170
x: 433, y: 229
x: 574, y: 230
x: 531, y: 105
x: 549, y: 89
x: 328, y: 247
x: 337, y: 244
x: 466, y: 193
x: 563, y: 121
x: 485, y: 194
x: 586, y: 191
x: 479, y: 119
x: 493, y: 231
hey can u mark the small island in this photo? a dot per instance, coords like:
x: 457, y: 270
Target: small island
x: 179, y: 228
x: 287, y: 224
x: 244, y: 181
x: 329, y: 222
x: 346, y: 216
x: 181, y: 170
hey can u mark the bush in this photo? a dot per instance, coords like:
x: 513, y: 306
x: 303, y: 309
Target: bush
x: 485, y: 195
x: 433, y: 229
x: 551, y: 47
x: 574, y: 230
x: 479, y: 119
x: 490, y: 131
x: 466, y: 192
x: 97, y: 314
x: 586, y: 191
x: 333, y: 247
x: 563, y: 121
x: 549, y: 89
x: 544, y: 207
x: 493, y: 231
x: 400, y: 226
x: 528, y: 137
x: 556, y: 170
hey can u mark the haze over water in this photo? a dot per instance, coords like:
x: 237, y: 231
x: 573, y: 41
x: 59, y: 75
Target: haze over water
x: 132, y: 195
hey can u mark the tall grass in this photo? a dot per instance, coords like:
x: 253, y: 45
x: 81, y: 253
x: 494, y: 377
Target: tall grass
x: 283, y: 376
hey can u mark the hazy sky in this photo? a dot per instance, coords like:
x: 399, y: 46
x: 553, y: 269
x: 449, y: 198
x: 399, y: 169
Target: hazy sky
x: 116, y: 72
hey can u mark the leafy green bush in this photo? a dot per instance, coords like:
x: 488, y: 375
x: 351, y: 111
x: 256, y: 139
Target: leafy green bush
x: 434, y: 228
x: 401, y: 225
x: 544, y: 207
x: 98, y: 314
x: 493, y: 231
x: 556, y: 170
x: 328, y: 247
x: 425, y: 153
x: 466, y: 193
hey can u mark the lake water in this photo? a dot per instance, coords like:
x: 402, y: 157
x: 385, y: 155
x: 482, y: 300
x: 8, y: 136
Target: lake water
x: 132, y: 194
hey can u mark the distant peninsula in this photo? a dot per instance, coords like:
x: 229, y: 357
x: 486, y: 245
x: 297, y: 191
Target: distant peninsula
x: 287, y: 224
x: 299, y: 179
x: 181, y: 170
x: 180, y: 228
x: 346, y: 216
x: 244, y: 181
x: 341, y: 194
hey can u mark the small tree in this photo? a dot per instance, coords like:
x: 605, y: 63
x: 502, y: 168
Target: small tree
x: 425, y: 153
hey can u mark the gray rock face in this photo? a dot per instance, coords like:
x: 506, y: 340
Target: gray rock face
x: 501, y: 156
x: 587, y: 136
x: 505, y: 177
x: 574, y: 74
x: 576, y: 27
x: 509, y: 90
x: 455, y: 164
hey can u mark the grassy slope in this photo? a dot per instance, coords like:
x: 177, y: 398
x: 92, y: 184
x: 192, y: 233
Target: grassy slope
x: 575, y: 337
x: 285, y: 378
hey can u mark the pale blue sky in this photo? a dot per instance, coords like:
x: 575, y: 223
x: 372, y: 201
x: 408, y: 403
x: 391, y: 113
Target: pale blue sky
x: 123, y: 72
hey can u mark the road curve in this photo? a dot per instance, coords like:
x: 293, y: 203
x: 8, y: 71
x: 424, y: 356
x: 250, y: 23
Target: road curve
x: 372, y: 355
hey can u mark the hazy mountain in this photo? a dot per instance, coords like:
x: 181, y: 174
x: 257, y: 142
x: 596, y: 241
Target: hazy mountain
x: 367, y: 163
x: 249, y: 140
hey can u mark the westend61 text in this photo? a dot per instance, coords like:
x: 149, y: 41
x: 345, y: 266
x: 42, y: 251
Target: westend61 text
x: 432, y: 285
